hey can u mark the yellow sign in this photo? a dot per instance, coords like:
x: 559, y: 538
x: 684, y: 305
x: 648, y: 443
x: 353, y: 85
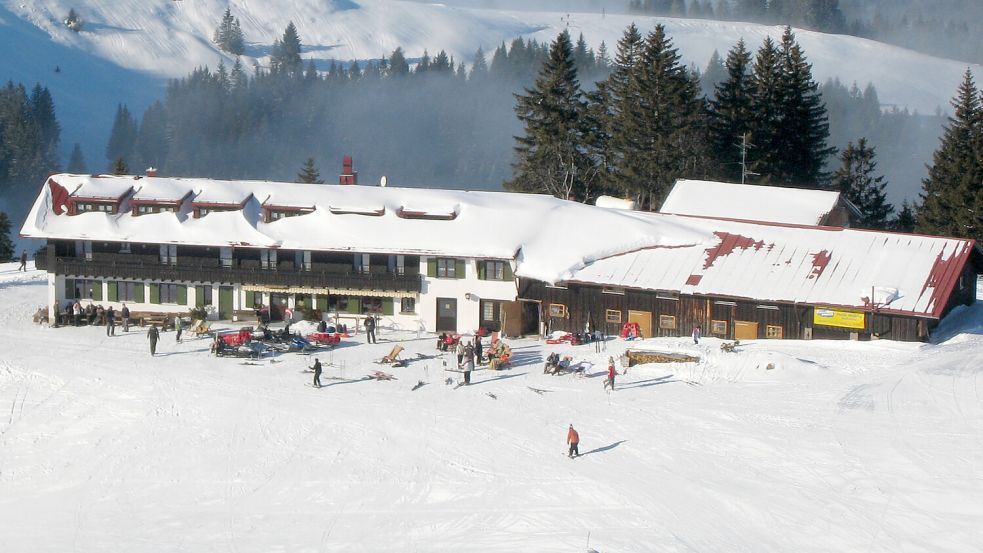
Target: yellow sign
x: 837, y: 317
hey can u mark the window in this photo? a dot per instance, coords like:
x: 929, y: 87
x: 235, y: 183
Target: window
x: 667, y: 322
x: 168, y: 293
x: 127, y: 291
x: 491, y: 314
x: 727, y: 303
x: 446, y: 268
x: 124, y: 247
x: 557, y: 286
x: 372, y: 305
x: 338, y: 303
x: 225, y: 256
x: 86, y: 207
x: 83, y: 248
x: 667, y: 296
x: 772, y: 331
x: 612, y: 316
x: 168, y: 254
x: 267, y: 259
x: 558, y: 310
x: 257, y: 300
x: 616, y: 291
x: 83, y: 289
x: 407, y: 305
x: 493, y: 270
x: 718, y: 327
x: 362, y: 263
x: 397, y: 266
x: 204, y: 295
x: 768, y: 307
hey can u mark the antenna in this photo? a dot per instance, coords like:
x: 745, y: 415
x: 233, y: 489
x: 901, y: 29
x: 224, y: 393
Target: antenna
x: 744, y: 146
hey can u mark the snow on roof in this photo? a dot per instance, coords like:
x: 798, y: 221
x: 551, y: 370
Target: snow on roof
x: 749, y: 202
x: 784, y: 263
x: 225, y: 195
x: 97, y: 187
x: 167, y: 190
x: 548, y: 237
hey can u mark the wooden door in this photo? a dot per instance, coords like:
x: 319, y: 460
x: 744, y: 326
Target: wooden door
x: 644, y: 320
x: 745, y: 330
x: 512, y: 318
x: 446, y: 314
x: 225, y: 303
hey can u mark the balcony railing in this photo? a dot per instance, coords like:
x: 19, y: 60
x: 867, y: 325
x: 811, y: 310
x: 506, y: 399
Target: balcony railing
x: 189, y: 271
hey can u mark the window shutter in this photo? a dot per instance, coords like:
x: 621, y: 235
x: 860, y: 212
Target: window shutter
x: 482, y: 270
x: 387, y: 306
x: 199, y: 296
x: 97, y: 290
x: 70, y: 289
x: 113, y: 291
x: 154, y: 293
x: 250, y: 299
x: 138, y: 295
x: 321, y: 302
x: 182, y: 294
x: 459, y: 268
x: 431, y: 267
x: 507, y: 271
x: 354, y: 305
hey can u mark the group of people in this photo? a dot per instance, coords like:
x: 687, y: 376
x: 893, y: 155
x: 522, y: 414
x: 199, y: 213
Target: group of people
x: 96, y: 315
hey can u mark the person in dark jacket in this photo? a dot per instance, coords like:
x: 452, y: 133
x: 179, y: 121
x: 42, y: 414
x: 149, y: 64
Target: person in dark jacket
x: 468, y: 363
x: 317, y: 373
x: 23, y: 261
x: 370, y: 329
x: 153, y: 335
x: 125, y: 314
x: 110, y: 321
x: 477, y: 348
x: 322, y: 326
x: 178, y: 326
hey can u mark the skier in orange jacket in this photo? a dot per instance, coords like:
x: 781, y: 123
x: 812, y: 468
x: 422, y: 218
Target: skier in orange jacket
x: 573, y: 439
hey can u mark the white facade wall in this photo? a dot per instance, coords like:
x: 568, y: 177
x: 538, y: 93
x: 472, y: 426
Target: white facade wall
x: 468, y: 291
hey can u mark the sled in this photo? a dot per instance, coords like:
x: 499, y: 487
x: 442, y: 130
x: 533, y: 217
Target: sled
x: 324, y: 338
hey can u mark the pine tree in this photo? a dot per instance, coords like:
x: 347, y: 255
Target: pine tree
x: 237, y: 41
x: 76, y: 163
x: 285, y: 57
x: 856, y: 181
x: 309, y: 173
x: 764, y: 140
x: 151, y: 146
x: 551, y: 156
x: 905, y: 220
x: 610, y: 104
x: 43, y: 111
x: 951, y: 195
x: 716, y: 73
x: 122, y: 137
x: 730, y: 113
x: 6, y: 245
x: 479, y: 67
x: 120, y: 168
x: 398, y: 65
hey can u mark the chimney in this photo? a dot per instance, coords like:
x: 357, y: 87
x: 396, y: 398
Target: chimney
x: 151, y: 171
x: 348, y: 174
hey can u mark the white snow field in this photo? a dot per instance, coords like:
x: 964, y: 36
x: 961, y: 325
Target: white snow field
x: 842, y: 446
x: 128, y: 48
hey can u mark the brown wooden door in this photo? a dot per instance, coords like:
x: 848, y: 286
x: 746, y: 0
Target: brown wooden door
x: 446, y: 314
x: 644, y: 320
x: 512, y: 318
x: 745, y: 330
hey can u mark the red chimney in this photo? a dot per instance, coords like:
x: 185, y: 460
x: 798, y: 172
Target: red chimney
x: 348, y: 175
x: 151, y: 171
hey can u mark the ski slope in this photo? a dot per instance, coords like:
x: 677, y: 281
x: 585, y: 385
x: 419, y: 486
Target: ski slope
x: 129, y: 48
x: 840, y: 447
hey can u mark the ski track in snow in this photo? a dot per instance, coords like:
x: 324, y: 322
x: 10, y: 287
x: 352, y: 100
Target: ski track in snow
x: 842, y: 446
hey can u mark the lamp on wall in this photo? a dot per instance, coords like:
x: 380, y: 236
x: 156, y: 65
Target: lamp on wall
x: 467, y: 296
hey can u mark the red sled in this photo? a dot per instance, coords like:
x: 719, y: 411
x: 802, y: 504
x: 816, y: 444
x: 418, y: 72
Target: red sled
x: 236, y: 339
x: 324, y: 338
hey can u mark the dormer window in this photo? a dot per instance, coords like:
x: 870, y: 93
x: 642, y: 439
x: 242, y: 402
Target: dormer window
x: 85, y: 207
x: 148, y: 209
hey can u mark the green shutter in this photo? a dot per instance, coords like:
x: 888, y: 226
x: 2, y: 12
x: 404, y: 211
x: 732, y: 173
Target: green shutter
x: 250, y: 299
x: 432, y: 267
x: 182, y: 294
x: 354, y: 305
x: 387, y: 306
x: 199, y: 296
x: 459, y: 268
x: 70, y: 289
x: 97, y: 290
x: 507, y: 272
x: 482, y: 272
x: 138, y: 293
x: 321, y: 302
x: 154, y: 293
x: 113, y: 291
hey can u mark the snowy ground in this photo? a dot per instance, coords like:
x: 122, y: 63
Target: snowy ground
x: 841, y: 447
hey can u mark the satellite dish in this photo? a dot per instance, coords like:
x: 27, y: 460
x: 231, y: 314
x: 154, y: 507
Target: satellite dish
x: 383, y: 181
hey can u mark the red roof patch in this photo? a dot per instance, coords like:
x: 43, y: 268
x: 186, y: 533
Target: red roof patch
x: 728, y: 243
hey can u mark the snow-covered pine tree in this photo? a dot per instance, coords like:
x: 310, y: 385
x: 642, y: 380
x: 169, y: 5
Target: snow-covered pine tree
x: 228, y: 35
x: 551, y: 155
x: 952, y: 194
x: 76, y: 162
x: 856, y: 181
x: 309, y: 174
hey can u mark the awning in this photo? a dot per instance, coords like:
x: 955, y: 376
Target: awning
x: 327, y: 291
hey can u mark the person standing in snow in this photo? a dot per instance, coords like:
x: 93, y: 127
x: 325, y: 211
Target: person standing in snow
x: 611, y: 372
x: 573, y: 440
x: 76, y: 313
x: 468, y: 363
x: 460, y: 352
x: 477, y: 348
x: 697, y: 332
x: 125, y: 314
x: 178, y: 326
x: 598, y: 339
x: 153, y: 335
x: 370, y: 329
x: 23, y: 261
x: 317, y: 373
x: 110, y: 321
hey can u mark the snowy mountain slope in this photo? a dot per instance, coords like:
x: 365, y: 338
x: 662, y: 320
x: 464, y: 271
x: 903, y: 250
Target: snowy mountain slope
x: 128, y: 47
x: 842, y: 446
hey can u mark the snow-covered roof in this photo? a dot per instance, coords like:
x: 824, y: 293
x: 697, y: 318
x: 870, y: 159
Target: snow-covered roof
x: 172, y: 191
x: 549, y: 237
x: 99, y: 187
x: 906, y: 273
x: 749, y: 202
